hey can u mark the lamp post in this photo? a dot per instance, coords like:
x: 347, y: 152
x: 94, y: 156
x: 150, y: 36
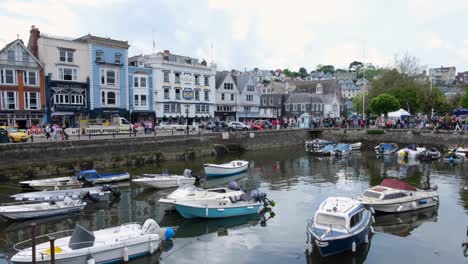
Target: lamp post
x: 186, y: 118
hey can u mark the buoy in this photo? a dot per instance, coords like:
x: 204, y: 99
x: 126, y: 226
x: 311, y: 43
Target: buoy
x: 353, y: 247
x: 373, y: 219
x: 90, y: 260
x: 399, y: 208
x: 366, y: 239
x: 414, y: 205
x: 125, y: 254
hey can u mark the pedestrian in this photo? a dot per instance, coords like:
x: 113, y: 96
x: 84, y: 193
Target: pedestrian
x: 150, y: 126
x: 47, y: 131
x: 53, y: 132
x: 64, y: 132
x: 457, y: 125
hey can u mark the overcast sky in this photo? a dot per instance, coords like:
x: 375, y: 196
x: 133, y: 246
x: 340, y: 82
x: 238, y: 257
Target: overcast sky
x: 265, y: 34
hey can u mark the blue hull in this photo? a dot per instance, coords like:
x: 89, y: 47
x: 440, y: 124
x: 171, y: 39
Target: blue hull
x: 224, y: 175
x: 344, y: 244
x: 196, y: 212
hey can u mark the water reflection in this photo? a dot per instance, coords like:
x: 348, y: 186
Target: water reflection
x: 313, y: 257
x: 403, y: 224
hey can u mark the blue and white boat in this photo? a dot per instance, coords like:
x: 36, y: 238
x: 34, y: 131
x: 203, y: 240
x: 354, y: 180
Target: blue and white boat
x: 314, y: 146
x: 340, y: 224
x: 231, y: 168
x: 341, y: 150
x: 327, y: 150
x: 386, y: 148
x: 223, y: 207
x: 94, y: 177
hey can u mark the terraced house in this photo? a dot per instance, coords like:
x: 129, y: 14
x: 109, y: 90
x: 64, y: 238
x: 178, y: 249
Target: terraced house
x: 141, y: 90
x: 249, y: 98
x: 21, y: 87
x: 227, y: 96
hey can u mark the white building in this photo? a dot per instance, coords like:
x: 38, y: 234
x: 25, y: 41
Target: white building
x: 227, y: 94
x: 182, y: 86
x: 249, y: 97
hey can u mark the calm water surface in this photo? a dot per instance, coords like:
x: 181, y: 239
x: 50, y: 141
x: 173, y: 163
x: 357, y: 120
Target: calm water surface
x: 298, y: 183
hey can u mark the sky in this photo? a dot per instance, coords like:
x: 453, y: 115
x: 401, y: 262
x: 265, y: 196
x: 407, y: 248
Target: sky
x: 244, y: 34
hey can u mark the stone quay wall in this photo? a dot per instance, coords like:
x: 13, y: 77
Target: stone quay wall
x: 42, y: 159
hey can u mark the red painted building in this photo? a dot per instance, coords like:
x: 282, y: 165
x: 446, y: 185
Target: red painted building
x: 22, y: 92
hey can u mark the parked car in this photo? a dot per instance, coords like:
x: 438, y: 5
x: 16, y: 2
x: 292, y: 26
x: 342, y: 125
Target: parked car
x: 16, y: 135
x: 169, y: 126
x: 237, y: 126
x: 4, y: 136
x: 220, y: 126
x: 210, y: 125
x: 265, y: 123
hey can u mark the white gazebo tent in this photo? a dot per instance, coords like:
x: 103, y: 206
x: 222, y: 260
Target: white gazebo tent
x: 398, y: 114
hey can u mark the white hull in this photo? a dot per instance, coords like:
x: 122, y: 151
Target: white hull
x: 231, y: 168
x: 60, y: 195
x: 121, y: 177
x: 402, y: 207
x: 412, y: 154
x: 355, y: 146
x: 414, y: 200
x: 163, y: 182
x: 47, y: 181
x: 30, y: 214
x: 190, y: 193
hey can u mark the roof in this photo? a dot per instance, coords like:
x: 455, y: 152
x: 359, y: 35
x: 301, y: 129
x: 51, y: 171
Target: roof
x: 298, y: 98
x: 105, y: 41
x: 220, y: 77
x: 20, y: 42
x: 328, y: 86
x: 242, y: 81
x: 338, y: 205
x: 397, y: 184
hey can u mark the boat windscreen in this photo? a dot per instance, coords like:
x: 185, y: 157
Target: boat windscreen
x: 387, y: 147
x: 372, y: 194
x: 81, y: 238
x: 325, y: 219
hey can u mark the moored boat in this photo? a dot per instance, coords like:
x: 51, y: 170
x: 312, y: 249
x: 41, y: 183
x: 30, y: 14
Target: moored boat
x: 26, y: 184
x: 96, y: 178
x: 227, y: 169
x: 20, y: 211
x: 162, y: 181
x: 315, y: 145
x: 339, y: 224
x: 97, y: 193
x: 453, y: 158
x: 50, y: 185
x: 355, y: 146
x: 341, y: 150
x: 430, y: 154
x: 386, y: 148
x: 394, y: 196
x: 410, y: 152
x: 114, y: 244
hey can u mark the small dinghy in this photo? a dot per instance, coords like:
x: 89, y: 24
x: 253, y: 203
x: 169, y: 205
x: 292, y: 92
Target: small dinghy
x: 410, y: 152
x: 394, y: 196
x: 223, y: 207
x: 339, y: 224
x: 18, y: 211
x: 314, y: 146
x: 430, y: 154
x: 114, y: 244
x: 26, y: 184
x: 227, y: 169
x: 355, y: 146
x: 386, y: 148
x: 51, y: 185
x: 98, y: 193
x: 192, y: 193
x: 162, y: 181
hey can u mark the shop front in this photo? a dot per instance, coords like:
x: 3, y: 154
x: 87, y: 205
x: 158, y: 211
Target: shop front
x: 227, y: 116
x: 22, y: 119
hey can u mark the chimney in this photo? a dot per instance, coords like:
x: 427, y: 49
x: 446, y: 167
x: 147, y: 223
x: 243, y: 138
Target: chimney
x: 34, y: 35
x: 167, y: 52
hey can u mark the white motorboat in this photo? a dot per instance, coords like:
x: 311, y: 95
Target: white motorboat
x: 341, y: 150
x: 355, y: 146
x: 227, y: 169
x: 190, y: 193
x: 394, y: 196
x: 114, y: 244
x: 410, y: 152
x: 54, y: 185
x: 454, y: 157
x: 162, y: 181
x: 386, y: 148
x: 36, y: 210
x: 27, y: 184
x: 98, y: 193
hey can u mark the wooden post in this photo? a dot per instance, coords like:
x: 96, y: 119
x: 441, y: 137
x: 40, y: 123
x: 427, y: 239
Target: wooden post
x: 52, y: 249
x: 33, y: 242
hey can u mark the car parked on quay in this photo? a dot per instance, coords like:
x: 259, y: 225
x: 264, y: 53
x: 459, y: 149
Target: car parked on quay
x: 16, y: 135
x: 238, y: 126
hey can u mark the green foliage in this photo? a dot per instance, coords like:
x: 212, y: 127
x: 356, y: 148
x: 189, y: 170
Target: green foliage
x: 303, y: 72
x: 355, y: 65
x: 326, y: 68
x: 407, y: 97
x: 287, y: 72
x: 383, y: 104
x: 357, y: 104
x: 341, y: 70
x: 375, y: 131
x: 464, y: 100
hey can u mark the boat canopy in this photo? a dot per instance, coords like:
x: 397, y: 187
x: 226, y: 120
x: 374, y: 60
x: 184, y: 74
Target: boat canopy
x: 397, y: 184
x: 81, y: 238
x: 387, y: 146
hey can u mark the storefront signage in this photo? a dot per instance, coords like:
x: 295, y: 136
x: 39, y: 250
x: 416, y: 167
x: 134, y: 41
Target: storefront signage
x: 68, y: 84
x: 187, y: 94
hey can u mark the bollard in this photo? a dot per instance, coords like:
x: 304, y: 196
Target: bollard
x: 32, y: 138
x: 33, y: 242
x: 52, y: 249
x: 134, y: 132
x: 89, y: 134
x: 113, y: 134
x: 172, y: 131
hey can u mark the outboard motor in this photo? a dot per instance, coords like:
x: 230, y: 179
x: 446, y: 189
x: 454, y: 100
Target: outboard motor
x: 261, y: 197
x: 234, y: 186
x: 151, y: 227
x: 88, y: 196
x: 187, y: 173
x: 114, y: 192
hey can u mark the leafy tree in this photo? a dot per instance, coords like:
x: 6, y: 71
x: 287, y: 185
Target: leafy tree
x: 357, y: 104
x: 407, y: 97
x: 341, y: 70
x: 303, y: 72
x: 328, y: 69
x: 287, y: 72
x: 434, y: 99
x: 383, y: 104
x: 355, y: 65
x: 464, y: 100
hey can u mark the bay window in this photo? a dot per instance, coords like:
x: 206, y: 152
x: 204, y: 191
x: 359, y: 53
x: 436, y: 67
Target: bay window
x: 109, y: 98
x: 7, y: 76
x: 139, y: 81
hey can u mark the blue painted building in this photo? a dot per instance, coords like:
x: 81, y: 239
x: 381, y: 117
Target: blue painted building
x: 140, y: 81
x: 108, y: 77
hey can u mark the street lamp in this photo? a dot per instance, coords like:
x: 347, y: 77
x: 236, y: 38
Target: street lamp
x: 186, y: 118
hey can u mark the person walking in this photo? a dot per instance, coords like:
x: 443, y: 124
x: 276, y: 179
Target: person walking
x: 64, y: 132
x: 47, y: 131
x: 53, y: 132
x: 150, y: 126
x: 457, y: 125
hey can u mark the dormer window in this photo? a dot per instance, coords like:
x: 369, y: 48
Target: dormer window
x: 118, y: 58
x: 140, y: 63
x: 99, y: 56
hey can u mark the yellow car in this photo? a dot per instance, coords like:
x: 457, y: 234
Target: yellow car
x: 16, y: 135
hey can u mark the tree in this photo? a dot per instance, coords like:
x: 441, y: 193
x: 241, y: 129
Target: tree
x: 341, y: 70
x: 287, y: 72
x: 357, y: 104
x: 355, y: 65
x: 303, y: 72
x: 383, y: 104
x: 464, y: 100
x: 408, y: 65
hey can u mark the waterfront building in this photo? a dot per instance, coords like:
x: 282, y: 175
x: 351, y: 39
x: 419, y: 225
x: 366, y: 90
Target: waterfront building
x: 66, y: 70
x: 108, y: 77
x: 442, y: 75
x: 249, y: 97
x: 22, y: 93
x: 183, y: 87
x: 348, y: 89
x: 317, y: 98
x: 141, y: 90
x: 227, y: 96
x: 273, y: 96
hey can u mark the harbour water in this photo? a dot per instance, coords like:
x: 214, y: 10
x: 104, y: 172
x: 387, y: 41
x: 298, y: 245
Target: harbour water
x: 297, y: 182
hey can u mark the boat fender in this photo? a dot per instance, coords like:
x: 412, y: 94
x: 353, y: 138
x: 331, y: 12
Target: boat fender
x: 372, y: 230
x: 372, y: 210
x: 373, y: 219
x: 366, y: 239
x: 414, y: 205
x: 90, y: 260
x: 125, y: 254
x: 353, y: 246
x: 399, y: 208
x: 169, y: 233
